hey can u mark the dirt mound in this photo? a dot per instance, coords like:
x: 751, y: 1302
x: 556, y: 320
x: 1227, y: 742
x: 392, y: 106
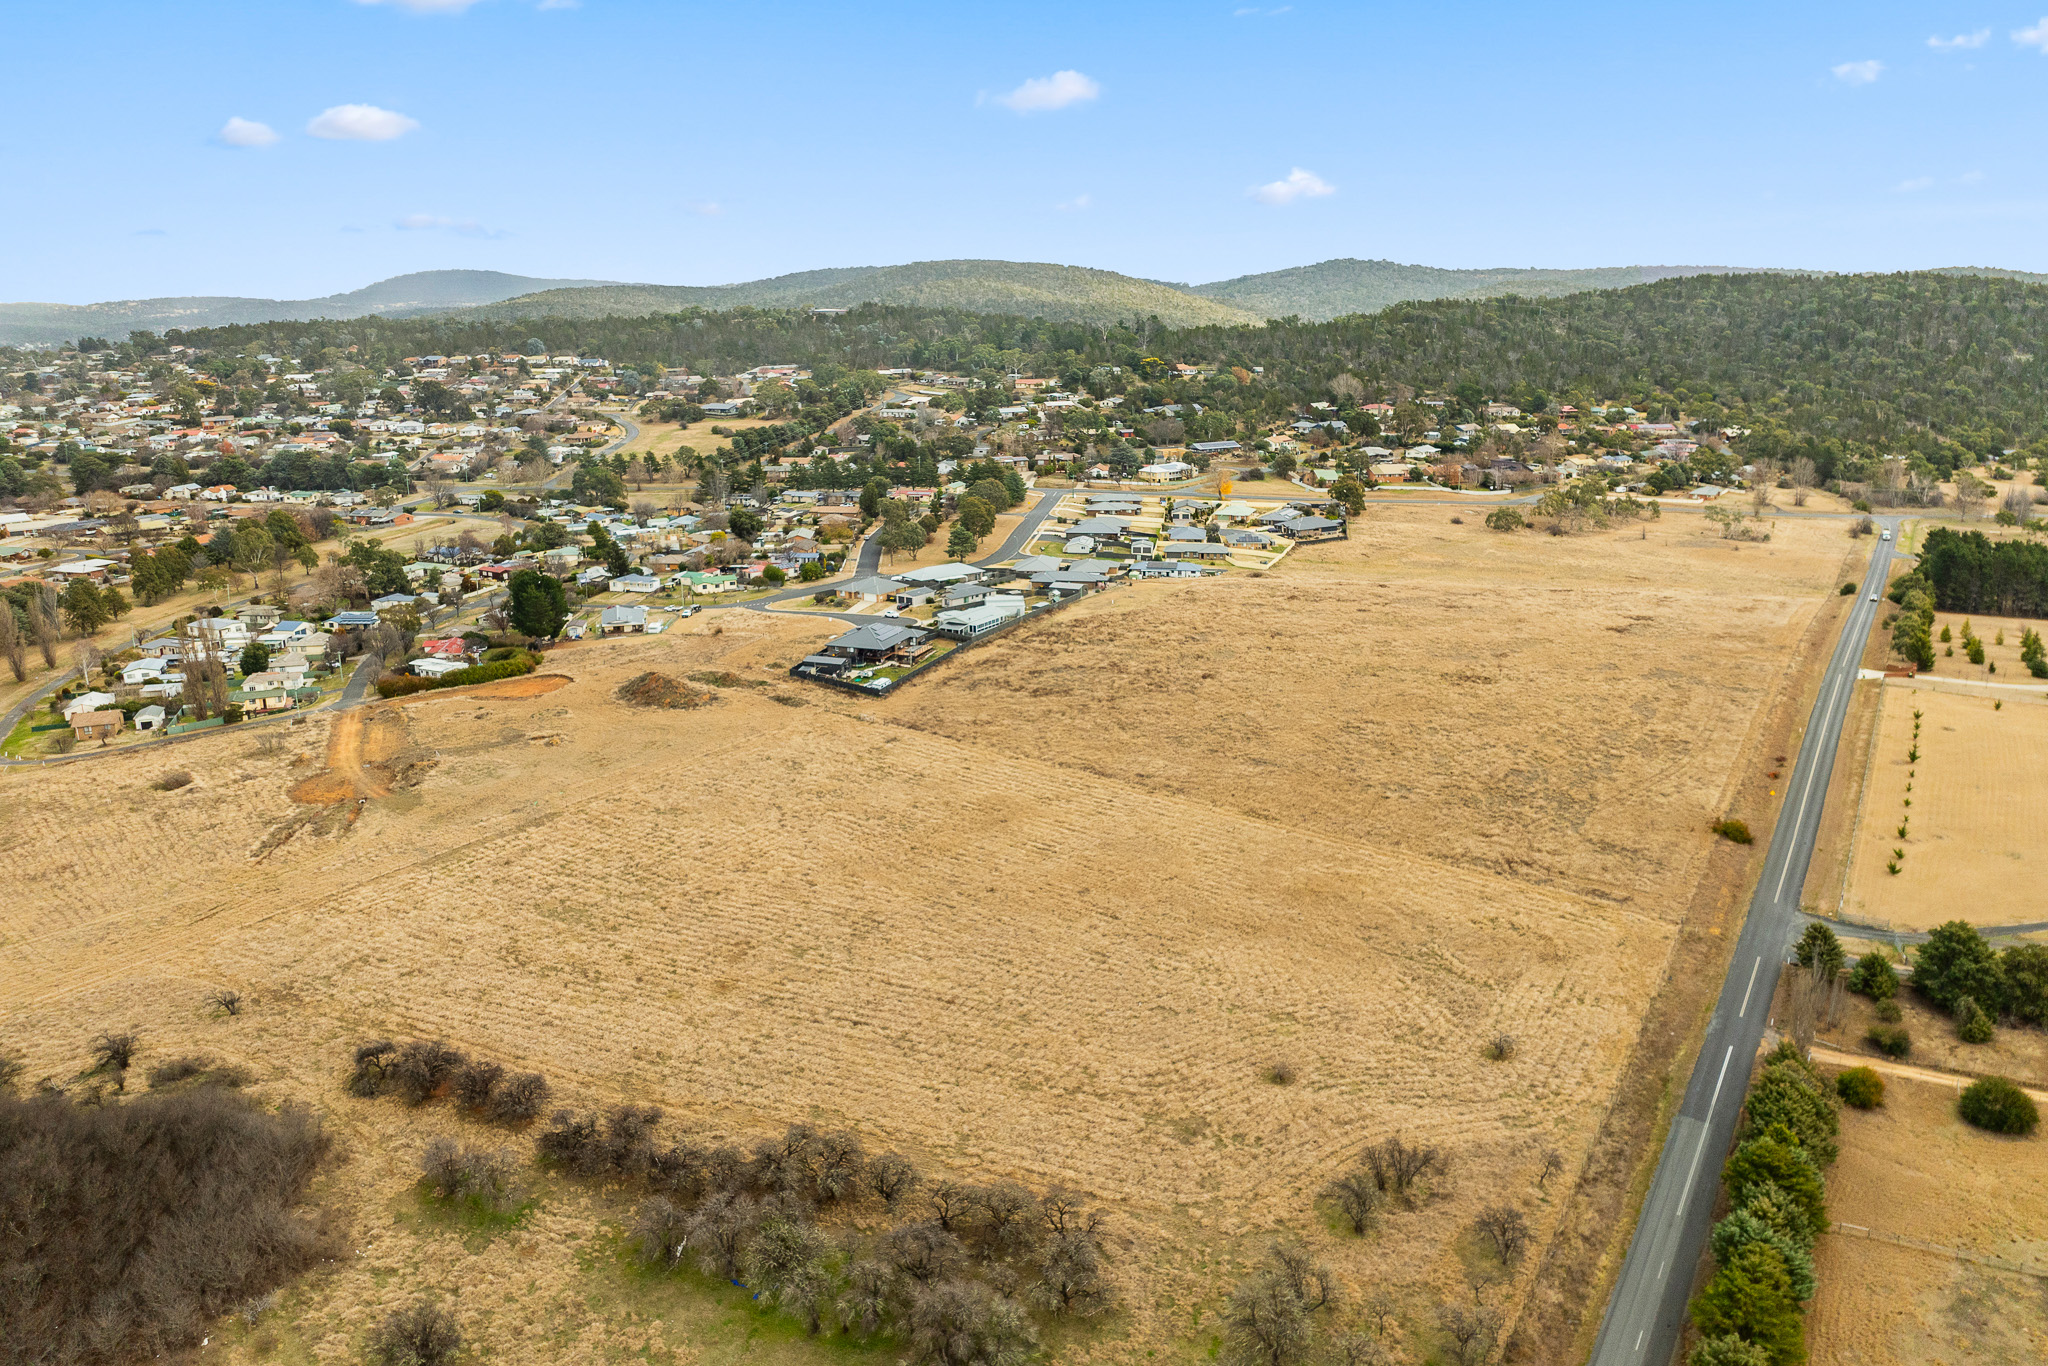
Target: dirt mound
x: 659, y: 690
x: 725, y: 678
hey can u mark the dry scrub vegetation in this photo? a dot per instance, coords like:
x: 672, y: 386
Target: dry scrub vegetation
x: 1048, y: 917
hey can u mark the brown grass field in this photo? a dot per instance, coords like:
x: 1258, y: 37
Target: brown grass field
x: 1912, y: 1170
x: 1047, y: 915
x: 1972, y: 843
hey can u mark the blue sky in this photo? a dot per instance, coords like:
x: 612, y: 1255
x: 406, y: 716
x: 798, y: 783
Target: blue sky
x: 698, y: 144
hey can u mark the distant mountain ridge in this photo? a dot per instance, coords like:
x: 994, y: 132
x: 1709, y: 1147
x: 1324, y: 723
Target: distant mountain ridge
x: 1319, y: 292
x: 427, y: 291
x: 1031, y: 288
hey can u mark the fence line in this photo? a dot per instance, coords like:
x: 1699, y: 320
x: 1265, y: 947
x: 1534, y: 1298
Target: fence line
x: 1956, y: 1253
x: 862, y: 690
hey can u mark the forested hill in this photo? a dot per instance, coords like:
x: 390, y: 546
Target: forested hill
x: 1330, y: 289
x: 1869, y: 360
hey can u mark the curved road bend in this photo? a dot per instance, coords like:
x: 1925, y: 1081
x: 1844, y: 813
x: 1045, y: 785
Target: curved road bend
x: 1646, y: 1314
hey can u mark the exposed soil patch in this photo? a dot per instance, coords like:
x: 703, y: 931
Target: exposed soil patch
x: 726, y: 678
x: 659, y: 690
x: 532, y: 685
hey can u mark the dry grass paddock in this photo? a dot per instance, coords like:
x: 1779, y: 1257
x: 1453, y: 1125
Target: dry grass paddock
x: 1980, y: 801
x: 1912, y: 1170
x: 1049, y: 915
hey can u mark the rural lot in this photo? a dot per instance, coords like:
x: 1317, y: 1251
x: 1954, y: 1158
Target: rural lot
x: 1052, y: 914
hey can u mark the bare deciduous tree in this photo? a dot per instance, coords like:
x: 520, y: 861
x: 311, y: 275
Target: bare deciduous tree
x: 1472, y: 1331
x: 1804, y: 476
x: 1553, y: 1164
x: 891, y: 1177
x: 1505, y: 1227
x: 226, y: 999
x: 1357, y: 1198
x: 1396, y: 1165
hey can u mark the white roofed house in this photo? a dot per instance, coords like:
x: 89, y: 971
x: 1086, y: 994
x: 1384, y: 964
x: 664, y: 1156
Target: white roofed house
x: 623, y: 621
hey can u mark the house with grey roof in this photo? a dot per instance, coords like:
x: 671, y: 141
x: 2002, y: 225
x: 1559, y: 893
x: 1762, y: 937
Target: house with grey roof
x: 878, y: 642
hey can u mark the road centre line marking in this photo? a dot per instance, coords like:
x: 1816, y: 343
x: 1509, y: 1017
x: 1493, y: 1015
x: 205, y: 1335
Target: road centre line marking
x: 1751, y: 987
x: 1700, y: 1148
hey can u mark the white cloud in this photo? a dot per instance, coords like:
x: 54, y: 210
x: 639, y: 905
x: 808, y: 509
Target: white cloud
x: 1922, y: 182
x: 1042, y: 93
x: 461, y: 227
x: 1961, y: 40
x: 360, y: 123
x: 424, y: 6
x: 241, y: 132
x: 1858, y: 73
x: 1299, y: 184
x: 707, y: 209
x: 1075, y: 205
x: 1970, y: 178
x: 2037, y: 36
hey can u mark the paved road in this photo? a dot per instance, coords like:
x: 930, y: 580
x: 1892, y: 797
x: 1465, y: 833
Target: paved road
x: 1646, y: 1315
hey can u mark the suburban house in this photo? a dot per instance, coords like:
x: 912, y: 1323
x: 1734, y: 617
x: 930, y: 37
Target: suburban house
x: 966, y: 623
x: 965, y: 595
x: 623, y: 621
x: 87, y: 702
x: 878, y: 643
x: 1215, y: 448
x: 635, y: 583
x: 435, y: 666
x: 1167, y: 471
x: 150, y: 717
x: 96, y: 725
x: 1315, y: 529
x: 940, y: 574
x: 345, y: 621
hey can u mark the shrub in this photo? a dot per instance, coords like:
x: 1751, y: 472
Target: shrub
x: 1861, y: 1087
x: 197, y: 1065
x: 1500, y: 1047
x: 1996, y: 1104
x: 1734, y: 830
x: 474, y: 1083
x: 1848, y: 590
x: 173, y: 780
x: 1875, y: 977
x: 226, y: 1000
x: 1889, y: 1039
x: 1280, y: 1072
x: 1973, y: 1025
x: 418, y: 1335
x: 132, y: 1228
x: 421, y: 1068
x: 518, y: 1098
x: 1889, y: 1011
x: 459, y: 1174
